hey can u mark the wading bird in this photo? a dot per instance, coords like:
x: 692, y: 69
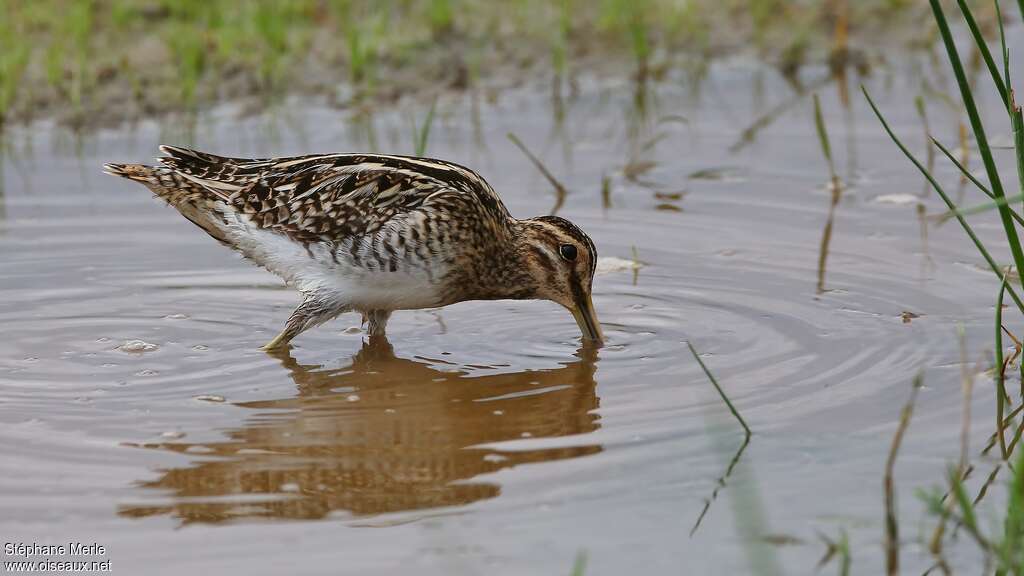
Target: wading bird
x: 375, y: 233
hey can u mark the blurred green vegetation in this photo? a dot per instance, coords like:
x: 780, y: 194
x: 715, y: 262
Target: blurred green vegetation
x: 96, y: 61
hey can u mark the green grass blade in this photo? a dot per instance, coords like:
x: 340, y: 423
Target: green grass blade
x: 1000, y: 371
x: 579, y: 566
x: 719, y: 388
x: 979, y: 208
x: 1006, y: 51
x: 1013, y: 536
x: 952, y: 206
x: 892, y: 529
x: 979, y: 40
x: 987, y: 206
x: 976, y: 125
x: 1017, y: 119
x: 967, y: 515
x: 423, y: 134
x: 963, y: 170
x: 819, y: 124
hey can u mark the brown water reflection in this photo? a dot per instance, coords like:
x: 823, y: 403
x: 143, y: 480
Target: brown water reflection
x: 383, y: 434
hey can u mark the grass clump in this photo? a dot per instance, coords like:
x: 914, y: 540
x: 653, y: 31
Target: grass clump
x: 1003, y: 549
x: 174, y: 54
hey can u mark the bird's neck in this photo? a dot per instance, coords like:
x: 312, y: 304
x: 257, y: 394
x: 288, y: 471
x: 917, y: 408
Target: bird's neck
x: 501, y: 272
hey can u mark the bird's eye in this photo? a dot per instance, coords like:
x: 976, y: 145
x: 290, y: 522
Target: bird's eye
x: 568, y: 251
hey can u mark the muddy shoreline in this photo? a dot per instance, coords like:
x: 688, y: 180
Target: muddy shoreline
x: 127, y: 70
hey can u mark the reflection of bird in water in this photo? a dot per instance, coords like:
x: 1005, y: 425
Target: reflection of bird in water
x: 376, y: 233
x: 383, y: 434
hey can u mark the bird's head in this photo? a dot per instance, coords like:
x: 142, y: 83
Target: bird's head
x: 561, y: 259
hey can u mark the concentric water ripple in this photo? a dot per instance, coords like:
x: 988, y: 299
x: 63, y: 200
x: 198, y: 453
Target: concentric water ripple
x: 134, y: 396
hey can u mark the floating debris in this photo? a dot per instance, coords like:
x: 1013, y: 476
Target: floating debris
x: 210, y: 398
x: 901, y: 199
x: 137, y: 347
x: 352, y: 397
x: 670, y: 196
x: 720, y: 173
x: 906, y: 316
x: 289, y: 487
x: 636, y: 168
x: 172, y: 434
x: 610, y: 264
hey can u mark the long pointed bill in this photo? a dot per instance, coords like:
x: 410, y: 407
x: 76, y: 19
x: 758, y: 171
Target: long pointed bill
x: 585, y: 316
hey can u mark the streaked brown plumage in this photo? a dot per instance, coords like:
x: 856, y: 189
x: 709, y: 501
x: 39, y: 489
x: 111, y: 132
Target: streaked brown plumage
x: 375, y: 233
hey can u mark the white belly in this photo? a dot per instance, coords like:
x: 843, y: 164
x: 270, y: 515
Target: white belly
x: 316, y: 270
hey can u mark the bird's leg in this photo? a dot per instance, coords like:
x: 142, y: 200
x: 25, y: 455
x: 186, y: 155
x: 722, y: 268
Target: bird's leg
x: 377, y: 321
x: 311, y: 312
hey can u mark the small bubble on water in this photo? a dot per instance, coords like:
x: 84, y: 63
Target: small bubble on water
x: 200, y: 348
x: 197, y: 449
x: 176, y: 317
x: 526, y: 435
x: 146, y: 372
x: 172, y: 434
x: 209, y: 398
x: 352, y: 397
x: 137, y: 346
x: 494, y: 458
x: 498, y: 412
x: 289, y: 487
x: 389, y: 410
x: 31, y: 359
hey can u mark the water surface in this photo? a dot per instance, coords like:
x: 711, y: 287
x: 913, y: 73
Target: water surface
x: 482, y: 438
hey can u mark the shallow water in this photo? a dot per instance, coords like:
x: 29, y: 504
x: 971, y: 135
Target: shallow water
x: 482, y: 438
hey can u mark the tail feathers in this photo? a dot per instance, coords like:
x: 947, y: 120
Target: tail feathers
x: 193, y: 200
x: 137, y: 172
x: 219, y: 171
x: 188, y: 155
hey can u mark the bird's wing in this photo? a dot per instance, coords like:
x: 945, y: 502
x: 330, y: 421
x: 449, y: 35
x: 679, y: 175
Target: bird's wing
x: 328, y: 197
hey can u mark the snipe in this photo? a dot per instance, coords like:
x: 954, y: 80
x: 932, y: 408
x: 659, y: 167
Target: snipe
x: 375, y: 233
